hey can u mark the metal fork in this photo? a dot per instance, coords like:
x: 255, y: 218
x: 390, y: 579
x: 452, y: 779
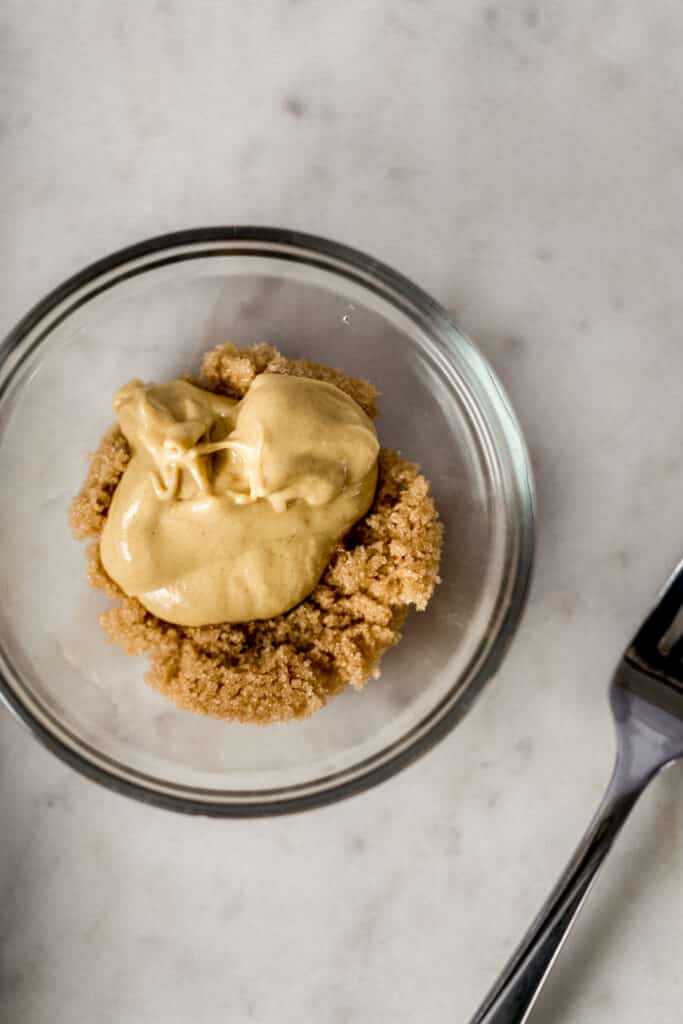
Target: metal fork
x: 646, y: 696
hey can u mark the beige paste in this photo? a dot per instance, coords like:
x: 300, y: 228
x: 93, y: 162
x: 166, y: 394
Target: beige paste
x: 229, y: 510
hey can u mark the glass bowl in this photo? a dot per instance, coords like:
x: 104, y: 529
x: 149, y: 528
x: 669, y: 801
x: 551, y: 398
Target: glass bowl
x: 150, y: 311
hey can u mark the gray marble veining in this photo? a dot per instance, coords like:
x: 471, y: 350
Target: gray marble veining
x: 523, y: 162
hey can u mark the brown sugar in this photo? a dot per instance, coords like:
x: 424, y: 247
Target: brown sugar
x: 273, y: 670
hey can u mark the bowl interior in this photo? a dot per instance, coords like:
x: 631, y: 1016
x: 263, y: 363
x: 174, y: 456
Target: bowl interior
x: 154, y: 322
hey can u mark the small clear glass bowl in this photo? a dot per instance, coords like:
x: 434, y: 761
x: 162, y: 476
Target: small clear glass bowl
x: 150, y: 311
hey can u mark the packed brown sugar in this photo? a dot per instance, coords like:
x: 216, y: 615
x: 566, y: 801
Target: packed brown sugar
x: 286, y: 666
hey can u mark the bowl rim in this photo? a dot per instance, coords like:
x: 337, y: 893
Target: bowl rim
x: 385, y: 276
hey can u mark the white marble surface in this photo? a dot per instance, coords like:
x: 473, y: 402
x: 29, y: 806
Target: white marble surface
x: 524, y: 162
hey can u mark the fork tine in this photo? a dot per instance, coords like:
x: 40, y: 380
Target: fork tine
x: 647, y: 640
x: 676, y: 652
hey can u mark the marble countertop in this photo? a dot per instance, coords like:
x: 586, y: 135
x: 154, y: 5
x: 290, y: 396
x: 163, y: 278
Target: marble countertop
x: 524, y: 163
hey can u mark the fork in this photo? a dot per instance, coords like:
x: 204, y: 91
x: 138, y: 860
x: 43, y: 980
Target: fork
x: 646, y: 696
